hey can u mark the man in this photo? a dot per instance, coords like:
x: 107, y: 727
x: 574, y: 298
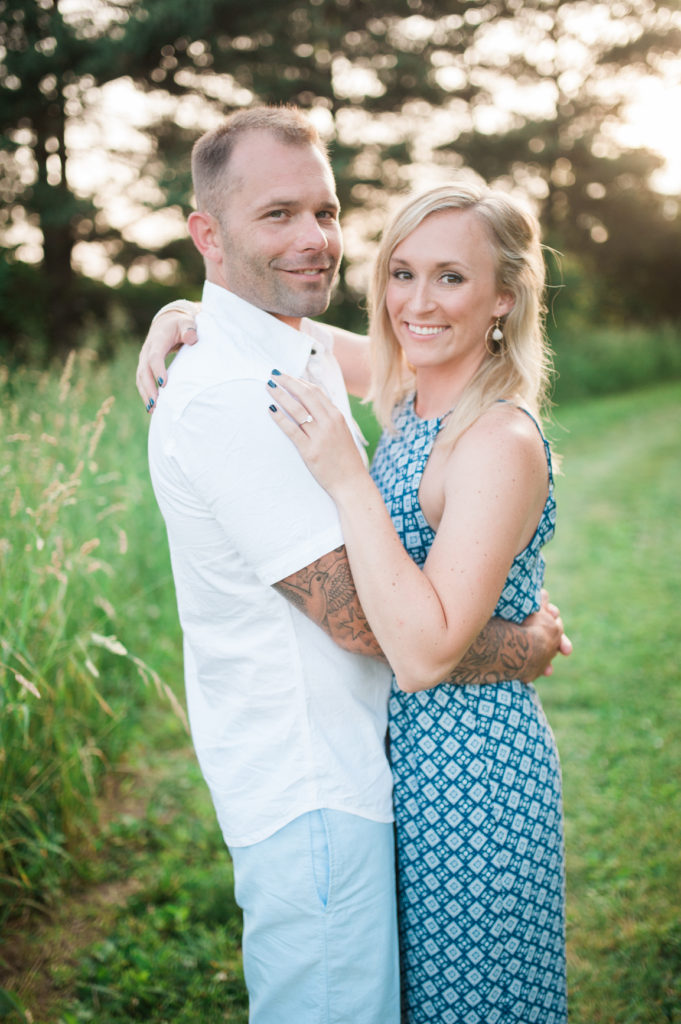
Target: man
x: 288, y: 718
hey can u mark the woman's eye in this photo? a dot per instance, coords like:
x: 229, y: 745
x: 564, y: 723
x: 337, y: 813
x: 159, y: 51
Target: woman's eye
x: 451, y: 278
x: 401, y: 275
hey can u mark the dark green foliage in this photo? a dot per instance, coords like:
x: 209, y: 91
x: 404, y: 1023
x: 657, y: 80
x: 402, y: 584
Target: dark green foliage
x: 172, y: 954
x: 597, y: 205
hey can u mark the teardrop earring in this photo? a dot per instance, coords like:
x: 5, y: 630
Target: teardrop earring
x: 497, y: 338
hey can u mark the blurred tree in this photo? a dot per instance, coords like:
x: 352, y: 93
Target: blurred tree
x: 526, y: 92
x: 596, y: 199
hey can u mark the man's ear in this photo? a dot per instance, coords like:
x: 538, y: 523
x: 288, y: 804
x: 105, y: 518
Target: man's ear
x: 205, y: 233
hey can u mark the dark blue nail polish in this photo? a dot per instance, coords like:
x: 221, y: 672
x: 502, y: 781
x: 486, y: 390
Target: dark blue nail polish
x: 151, y: 402
x: 160, y: 382
x: 271, y: 384
x: 277, y: 373
x: 273, y: 408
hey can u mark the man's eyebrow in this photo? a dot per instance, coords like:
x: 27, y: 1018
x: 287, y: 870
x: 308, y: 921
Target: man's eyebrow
x: 268, y: 204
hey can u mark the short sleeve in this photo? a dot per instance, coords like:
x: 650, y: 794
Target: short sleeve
x: 253, y: 481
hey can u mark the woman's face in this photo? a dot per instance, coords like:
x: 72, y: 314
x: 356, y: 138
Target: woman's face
x: 442, y: 295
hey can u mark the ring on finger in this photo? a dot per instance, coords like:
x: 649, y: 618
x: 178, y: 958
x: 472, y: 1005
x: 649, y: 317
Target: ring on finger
x: 308, y: 419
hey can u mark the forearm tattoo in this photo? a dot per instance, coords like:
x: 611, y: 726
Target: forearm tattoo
x: 325, y: 592
x: 503, y: 650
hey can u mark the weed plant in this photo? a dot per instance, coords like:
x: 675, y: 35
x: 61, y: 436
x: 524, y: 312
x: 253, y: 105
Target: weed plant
x: 71, y: 685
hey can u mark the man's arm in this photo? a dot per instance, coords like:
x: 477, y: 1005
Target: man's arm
x: 507, y: 650
x: 325, y: 592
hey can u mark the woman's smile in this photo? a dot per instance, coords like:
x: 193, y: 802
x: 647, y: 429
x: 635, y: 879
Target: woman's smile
x: 442, y: 295
x: 425, y: 330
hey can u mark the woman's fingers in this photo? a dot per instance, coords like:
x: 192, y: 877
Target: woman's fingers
x: 167, y: 334
x: 146, y: 384
x: 302, y: 402
x: 317, y: 428
x: 293, y: 418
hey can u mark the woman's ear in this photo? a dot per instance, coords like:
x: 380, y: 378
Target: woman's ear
x: 505, y: 304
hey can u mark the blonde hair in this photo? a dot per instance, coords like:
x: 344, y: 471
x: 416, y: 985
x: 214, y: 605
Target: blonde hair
x: 520, y: 368
x: 211, y: 152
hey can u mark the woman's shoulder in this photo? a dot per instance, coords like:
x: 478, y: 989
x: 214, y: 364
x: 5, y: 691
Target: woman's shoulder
x: 507, y: 417
x: 506, y: 432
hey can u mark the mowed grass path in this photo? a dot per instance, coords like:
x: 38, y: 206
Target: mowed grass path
x: 615, y: 569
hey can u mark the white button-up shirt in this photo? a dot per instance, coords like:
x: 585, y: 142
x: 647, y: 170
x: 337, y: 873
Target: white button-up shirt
x: 283, y: 720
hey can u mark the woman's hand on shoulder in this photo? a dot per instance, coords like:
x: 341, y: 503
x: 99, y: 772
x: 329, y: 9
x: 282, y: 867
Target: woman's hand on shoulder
x: 167, y: 333
x: 318, y: 430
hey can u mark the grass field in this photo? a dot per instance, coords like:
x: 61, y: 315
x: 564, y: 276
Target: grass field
x: 110, y: 859
x: 615, y: 568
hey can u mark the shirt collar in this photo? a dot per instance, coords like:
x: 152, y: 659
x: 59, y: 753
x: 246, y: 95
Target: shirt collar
x: 282, y: 346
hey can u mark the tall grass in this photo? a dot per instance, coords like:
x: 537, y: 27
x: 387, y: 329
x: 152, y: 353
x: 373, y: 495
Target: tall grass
x: 70, y: 689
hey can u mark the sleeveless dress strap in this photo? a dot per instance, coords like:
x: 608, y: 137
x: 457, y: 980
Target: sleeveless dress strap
x: 547, y: 446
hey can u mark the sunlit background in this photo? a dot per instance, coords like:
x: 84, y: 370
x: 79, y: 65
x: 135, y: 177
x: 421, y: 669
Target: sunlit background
x: 575, y: 105
x: 114, y: 906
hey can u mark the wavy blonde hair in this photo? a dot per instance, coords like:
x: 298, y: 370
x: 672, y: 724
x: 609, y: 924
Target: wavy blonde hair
x: 520, y: 368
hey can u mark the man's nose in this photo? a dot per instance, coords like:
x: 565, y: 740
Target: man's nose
x: 312, y: 236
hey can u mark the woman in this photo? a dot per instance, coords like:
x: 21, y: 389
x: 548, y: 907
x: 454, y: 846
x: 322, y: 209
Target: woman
x: 447, y: 534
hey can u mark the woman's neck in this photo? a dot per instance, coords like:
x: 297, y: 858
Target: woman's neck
x: 436, y: 393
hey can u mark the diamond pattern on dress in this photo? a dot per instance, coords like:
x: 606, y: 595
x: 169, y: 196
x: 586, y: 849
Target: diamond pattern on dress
x: 478, y: 810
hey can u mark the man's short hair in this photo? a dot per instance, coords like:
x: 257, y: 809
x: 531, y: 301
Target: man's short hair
x: 211, y: 153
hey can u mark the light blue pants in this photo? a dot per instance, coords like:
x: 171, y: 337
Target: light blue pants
x: 320, y: 922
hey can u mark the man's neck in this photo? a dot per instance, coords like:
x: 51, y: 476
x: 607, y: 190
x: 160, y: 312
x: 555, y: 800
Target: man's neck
x: 291, y: 321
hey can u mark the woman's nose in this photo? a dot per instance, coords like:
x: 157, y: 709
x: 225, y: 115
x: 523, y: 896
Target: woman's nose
x: 420, y: 297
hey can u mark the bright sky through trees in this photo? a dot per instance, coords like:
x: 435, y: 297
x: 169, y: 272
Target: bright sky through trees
x: 573, y: 104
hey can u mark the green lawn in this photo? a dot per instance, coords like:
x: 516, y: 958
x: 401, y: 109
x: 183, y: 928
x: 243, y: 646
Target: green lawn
x: 147, y: 930
x: 615, y: 569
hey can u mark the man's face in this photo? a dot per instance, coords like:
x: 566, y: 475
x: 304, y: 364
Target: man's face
x: 281, y: 239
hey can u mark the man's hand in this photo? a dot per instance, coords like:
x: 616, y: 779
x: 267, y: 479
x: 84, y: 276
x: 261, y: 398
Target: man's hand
x: 167, y: 333
x: 549, y: 639
x: 508, y: 650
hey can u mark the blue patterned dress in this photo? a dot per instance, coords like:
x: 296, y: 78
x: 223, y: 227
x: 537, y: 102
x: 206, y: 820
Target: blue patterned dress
x: 477, y: 806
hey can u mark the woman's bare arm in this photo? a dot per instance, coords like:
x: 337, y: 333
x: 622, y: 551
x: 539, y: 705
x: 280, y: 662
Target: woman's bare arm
x: 175, y: 325
x: 495, y: 485
x: 352, y: 352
